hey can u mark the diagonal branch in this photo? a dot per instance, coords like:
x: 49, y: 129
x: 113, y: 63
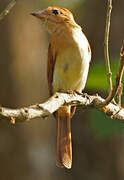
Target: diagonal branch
x: 56, y: 101
x: 7, y: 9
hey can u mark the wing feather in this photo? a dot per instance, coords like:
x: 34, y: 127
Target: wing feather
x: 50, y: 66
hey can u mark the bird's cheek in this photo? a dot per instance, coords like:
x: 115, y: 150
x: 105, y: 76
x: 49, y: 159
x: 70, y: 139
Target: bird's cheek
x: 50, y: 27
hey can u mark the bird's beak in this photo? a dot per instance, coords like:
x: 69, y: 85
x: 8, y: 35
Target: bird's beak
x: 41, y: 15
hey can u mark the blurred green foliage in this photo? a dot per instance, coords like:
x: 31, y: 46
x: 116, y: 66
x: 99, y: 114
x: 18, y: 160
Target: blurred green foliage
x: 97, y: 78
x: 100, y: 124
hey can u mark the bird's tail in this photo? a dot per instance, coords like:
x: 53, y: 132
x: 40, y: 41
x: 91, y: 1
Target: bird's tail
x: 63, y: 138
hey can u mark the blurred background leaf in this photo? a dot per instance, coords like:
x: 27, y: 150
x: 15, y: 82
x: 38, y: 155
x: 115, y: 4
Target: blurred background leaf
x: 103, y: 125
x: 97, y: 78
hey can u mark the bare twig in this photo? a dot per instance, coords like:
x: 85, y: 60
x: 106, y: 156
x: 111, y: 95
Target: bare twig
x: 7, y: 9
x: 55, y: 102
x: 120, y: 92
x: 112, y: 91
x: 106, y: 51
x: 119, y: 75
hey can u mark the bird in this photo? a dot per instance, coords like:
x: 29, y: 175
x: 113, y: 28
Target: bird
x: 69, y: 56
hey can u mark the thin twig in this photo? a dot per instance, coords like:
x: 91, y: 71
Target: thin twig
x: 119, y: 75
x: 7, y: 9
x: 106, y: 51
x: 120, y: 92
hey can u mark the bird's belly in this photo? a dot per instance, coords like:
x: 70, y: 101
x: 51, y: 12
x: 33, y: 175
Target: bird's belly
x: 70, y: 73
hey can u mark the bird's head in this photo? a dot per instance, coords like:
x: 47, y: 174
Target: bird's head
x: 54, y: 17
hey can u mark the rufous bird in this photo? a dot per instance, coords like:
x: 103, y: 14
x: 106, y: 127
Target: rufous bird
x: 69, y: 56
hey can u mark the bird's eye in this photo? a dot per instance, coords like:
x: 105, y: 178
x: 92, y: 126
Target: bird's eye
x: 55, y: 11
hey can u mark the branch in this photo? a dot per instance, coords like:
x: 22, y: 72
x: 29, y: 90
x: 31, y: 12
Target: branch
x: 56, y: 101
x: 119, y: 75
x: 106, y: 51
x: 7, y: 9
x: 112, y: 91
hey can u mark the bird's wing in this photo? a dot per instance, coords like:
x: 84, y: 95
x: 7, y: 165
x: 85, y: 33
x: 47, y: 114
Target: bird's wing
x: 50, y: 66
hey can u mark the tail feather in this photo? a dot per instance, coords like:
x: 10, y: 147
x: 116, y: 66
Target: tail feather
x: 63, y: 138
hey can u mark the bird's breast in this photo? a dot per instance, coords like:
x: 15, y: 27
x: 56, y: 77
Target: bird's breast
x: 71, y: 67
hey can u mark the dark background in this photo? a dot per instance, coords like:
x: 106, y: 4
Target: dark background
x: 27, y: 150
